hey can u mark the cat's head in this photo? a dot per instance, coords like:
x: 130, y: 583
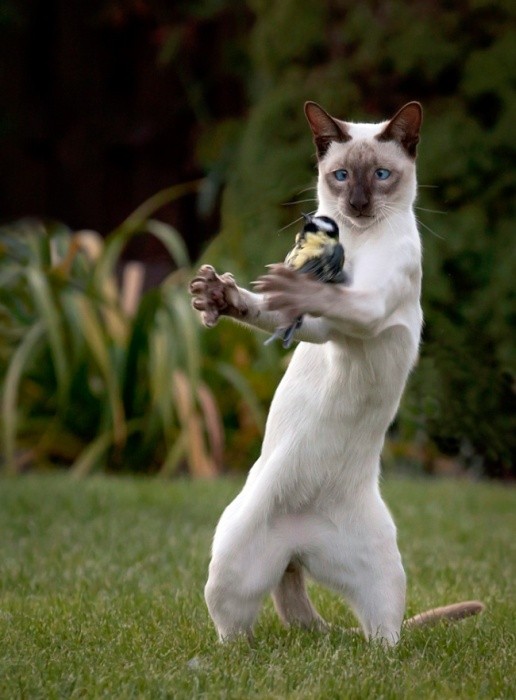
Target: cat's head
x: 366, y: 171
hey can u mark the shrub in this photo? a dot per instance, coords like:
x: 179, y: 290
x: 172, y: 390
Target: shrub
x: 96, y: 375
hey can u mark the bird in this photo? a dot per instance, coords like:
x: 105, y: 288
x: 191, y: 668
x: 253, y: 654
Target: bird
x: 318, y: 252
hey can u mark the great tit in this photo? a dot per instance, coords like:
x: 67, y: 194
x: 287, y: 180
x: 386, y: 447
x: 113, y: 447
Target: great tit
x: 317, y: 252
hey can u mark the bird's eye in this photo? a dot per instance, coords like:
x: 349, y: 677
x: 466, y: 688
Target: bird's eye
x: 382, y: 173
x: 341, y: 175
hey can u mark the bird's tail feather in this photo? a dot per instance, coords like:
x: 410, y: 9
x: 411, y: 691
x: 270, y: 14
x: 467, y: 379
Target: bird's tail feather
x: 286, y: 334
x: 278, y: 333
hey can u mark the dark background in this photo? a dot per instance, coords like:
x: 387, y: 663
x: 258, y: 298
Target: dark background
x: 94, y: 117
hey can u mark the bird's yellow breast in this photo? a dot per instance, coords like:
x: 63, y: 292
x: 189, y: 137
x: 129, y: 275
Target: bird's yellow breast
x: 307, y: 248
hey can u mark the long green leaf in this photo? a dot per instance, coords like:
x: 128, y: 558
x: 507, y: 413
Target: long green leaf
x: 135, y: 221
x: 162, y: 363
x: 174, y: 456
x: 98, y: 343
x: 10, y: 410
x: 245, y: 390
x: 51, y: 318
x: 38, y: 244
x: 171, y: 239
x: 186, y: 332
x: 139, y: 222
x: 91, y: 456
x: 116, y: 242
x: 139, y: 348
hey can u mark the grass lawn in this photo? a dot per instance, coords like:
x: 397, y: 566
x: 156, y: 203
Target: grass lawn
x: 101, y: 595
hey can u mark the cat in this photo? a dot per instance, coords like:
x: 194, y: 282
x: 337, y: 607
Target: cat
x: 311, y: 503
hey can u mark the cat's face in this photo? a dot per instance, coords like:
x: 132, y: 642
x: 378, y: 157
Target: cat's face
x: 366, y: 171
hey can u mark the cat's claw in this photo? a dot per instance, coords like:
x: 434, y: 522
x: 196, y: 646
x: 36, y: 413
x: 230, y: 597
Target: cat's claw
x: 216, y: 295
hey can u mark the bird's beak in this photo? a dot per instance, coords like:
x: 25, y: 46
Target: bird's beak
x: 306, y: 217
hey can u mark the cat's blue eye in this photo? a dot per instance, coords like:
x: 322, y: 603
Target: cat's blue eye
x: 341, y: 175
x: 382, y: 173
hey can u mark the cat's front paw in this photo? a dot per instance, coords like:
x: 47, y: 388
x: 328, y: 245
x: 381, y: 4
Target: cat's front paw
x: 291, y: 292
x: 216, y: 295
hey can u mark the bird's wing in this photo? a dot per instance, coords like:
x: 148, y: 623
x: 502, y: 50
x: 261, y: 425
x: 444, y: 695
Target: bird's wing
x: 328, y: 266
x: 337, y: 259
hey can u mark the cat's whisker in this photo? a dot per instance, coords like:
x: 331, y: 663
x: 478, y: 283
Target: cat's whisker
x: 393, y: 208
x: 429, y: 229
x: 299, y: 201
x: 385, y: 210
x: 387, y: 220
x: 431, y: 211
x: 335, y: 214
x: 292, y: 223
x: 389, y: 208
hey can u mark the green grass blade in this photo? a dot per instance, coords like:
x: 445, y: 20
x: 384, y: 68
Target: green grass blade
x: 102, y: 597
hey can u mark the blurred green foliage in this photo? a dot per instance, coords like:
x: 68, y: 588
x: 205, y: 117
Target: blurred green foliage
x: 362, y: 61
x: 96, y: 375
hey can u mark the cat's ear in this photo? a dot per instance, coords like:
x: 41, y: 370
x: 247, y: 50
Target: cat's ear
x: 404, y: 127
x: 325, y: 129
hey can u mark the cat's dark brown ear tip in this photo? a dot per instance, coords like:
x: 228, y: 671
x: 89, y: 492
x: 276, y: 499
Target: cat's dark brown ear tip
x: 412, y: 111
x: 416, y: 106
x: 404, y: 127
x: 311, y: 108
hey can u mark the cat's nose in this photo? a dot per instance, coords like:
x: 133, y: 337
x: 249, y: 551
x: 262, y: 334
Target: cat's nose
x: 359, y: 201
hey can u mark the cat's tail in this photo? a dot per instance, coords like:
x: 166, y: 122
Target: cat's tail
x: 456, y: 611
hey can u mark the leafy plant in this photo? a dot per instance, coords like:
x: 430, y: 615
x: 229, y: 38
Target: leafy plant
x: 95, y: 374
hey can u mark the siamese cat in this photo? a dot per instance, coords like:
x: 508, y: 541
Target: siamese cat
x: 311, y: 503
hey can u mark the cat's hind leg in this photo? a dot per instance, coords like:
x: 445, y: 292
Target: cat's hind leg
x: 361, y: 559
x: 292, y: 602
x: 248, y: 561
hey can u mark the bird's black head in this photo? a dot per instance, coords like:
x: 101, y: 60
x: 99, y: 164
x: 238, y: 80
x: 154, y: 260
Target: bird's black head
x: 321, y: 223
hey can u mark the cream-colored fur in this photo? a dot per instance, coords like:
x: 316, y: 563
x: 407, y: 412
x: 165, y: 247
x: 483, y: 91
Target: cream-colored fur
x: 311, y: 502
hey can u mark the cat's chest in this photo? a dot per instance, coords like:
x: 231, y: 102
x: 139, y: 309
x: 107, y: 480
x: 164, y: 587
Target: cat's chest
x: 355, y: 247
x: 332, y: 395
x: 345, y: 375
